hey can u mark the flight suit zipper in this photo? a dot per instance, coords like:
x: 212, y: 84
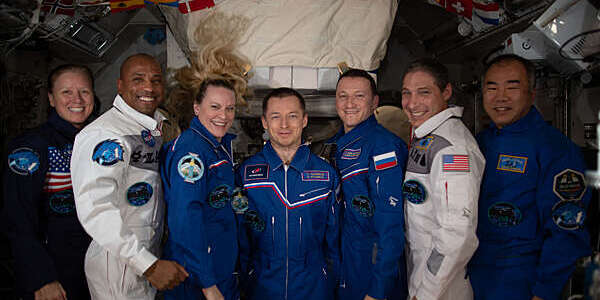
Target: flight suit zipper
x: 300, y: 244
x: 286, y: 238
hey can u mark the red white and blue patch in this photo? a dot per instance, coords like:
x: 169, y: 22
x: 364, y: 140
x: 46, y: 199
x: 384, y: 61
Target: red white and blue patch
x: 281, y: 196
x: 354, y: 173
x: 256, y: 172
x: 312, y: 175
x: 385, y: 161
x: 351, y: 153
x: 217, y: 164
x: 455, y: 163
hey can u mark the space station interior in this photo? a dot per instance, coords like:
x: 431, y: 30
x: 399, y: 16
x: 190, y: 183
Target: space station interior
x: 304, y: 44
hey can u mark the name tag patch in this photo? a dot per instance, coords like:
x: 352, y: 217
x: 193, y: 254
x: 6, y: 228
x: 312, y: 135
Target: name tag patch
x: 256, y: 172
x: 351, y: 153
x: 311, y: 175
x: 511, y: 163
x: 385, y: 161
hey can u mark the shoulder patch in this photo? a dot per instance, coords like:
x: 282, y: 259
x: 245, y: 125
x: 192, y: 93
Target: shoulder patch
x: 568, y: 214
x: 148, y: 138
x: 314, y: 175
x: 510, y: 163
x: 108, y: 152
x: 351, y: 153
x: 256, y: 172
x: 385, y: 161
x: 424, y: 143
x: 24, y: 161
x: 190, y: 167
x: 414, y: 191
x: 569, y: 185
x: 455, y: 163
x: 239, y: 201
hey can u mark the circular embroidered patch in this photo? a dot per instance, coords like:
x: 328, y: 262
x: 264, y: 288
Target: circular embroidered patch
x: 219, y: 196
x: 148, y: 138
x: 253, y: 220
x: 139, y: 193
x: 504, y: 214
x: 239, y: 201
x: 23, y: 161
x: 568, y: 214
x: 414, y: 192
x: 108, y: 153
x: 62, y: 203
x: 363, y: 205
x: 190, y: 168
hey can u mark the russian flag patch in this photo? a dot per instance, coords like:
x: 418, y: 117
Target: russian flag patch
x: 385, y: 161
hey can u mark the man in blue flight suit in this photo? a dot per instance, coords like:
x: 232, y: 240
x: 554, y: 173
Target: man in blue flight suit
x: 371, y: 162
x: 533, y: 196
x: 291, y: 226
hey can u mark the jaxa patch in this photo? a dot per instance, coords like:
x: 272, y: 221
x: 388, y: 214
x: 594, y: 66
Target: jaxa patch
x: 252, y: 219
x: 108, y: 153
x: 351, y: 153
x: 363, y: 206
x: 504, y: 214
x: 511, y: 163
x: 24, y: 161
x: 148, y: 138
x: 569, y: 185
x: 568, y: 214
x: 424, y: 143
x: 62, y: 203
x: 139, y: 193
x: 385, y: 161
x: 256, y: 172
x: 239, y: 201
x: 414, y: 192
x: 190, y: 167
x: 219, y: 197
x: 311, y: 175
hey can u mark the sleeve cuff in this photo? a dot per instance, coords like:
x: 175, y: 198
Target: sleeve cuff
x: 142, y: 261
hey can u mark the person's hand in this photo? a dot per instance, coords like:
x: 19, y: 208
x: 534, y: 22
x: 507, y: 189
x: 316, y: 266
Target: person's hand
x: 536, y: 298
x: 51, y: 291
x: 367, y: 297
x: 165, y: 274
x: 212, y: 293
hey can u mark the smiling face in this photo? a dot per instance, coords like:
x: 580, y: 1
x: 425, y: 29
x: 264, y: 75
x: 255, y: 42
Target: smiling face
x: 141, y: 84
x: 506, y: 92
x: 72, y: 97
x: 354, y: 101
x: 422, y: 98
x: 284, y: 120
x: 216, y: 111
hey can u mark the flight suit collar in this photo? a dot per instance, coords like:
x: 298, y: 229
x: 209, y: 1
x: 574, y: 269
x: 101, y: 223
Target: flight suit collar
x: 61, y: 125
x: 142, y: 119
x: 298, y: 162
x: 344, y: 139
x: 434, y: 122
x: 525, y: 123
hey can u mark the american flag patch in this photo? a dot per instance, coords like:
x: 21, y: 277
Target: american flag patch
x: 58, y: 177
x: 384, y: 161
x: 455, y: 163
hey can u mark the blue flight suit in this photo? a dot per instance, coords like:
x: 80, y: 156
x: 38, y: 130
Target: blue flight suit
x: 198, y: 180
x: 290, y: 227
x: 48, y: 242
x: 531, y: 211
x: 371, y: 161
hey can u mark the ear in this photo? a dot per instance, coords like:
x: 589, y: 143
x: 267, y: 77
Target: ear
x: 264, y: 122
x: 305, y: 120
x: 51, y: 99
x: 375, y: 101
x: 447, y: 93
x: 119, y: 86
x: 196, y: 109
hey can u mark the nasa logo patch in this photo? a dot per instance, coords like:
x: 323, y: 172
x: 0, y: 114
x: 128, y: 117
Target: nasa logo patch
x: 23, y: 161
x: 62, y: 203
x: 252, y: 219
x: 190, y: 167
x: 568, y: 214
x: 108, y: 153
x: 511, y: 163
x: 139, y: 193
x: 414, y: 192
x: 239, y: 201
x: 504, y: 214
x: 569, y: 185
x: 256, y: 172
x: 148, y: 138
x: 219, y: 197
x: 363, y: 206
x: 424, y: 143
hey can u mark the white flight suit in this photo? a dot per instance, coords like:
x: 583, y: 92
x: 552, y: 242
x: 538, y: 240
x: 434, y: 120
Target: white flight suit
x: 441, y: 189
x: 119, y: 200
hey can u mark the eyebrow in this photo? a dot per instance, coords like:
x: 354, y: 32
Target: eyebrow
x: 514, y: 81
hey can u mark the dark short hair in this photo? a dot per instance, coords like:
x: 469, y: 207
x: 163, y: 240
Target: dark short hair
x: 361, y: 74
x: 212, y: 82
x: 56, y: 72
x: 506, y: 58
x: 438, y: 71
x: 134, y: 56
x: 280, y: 93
